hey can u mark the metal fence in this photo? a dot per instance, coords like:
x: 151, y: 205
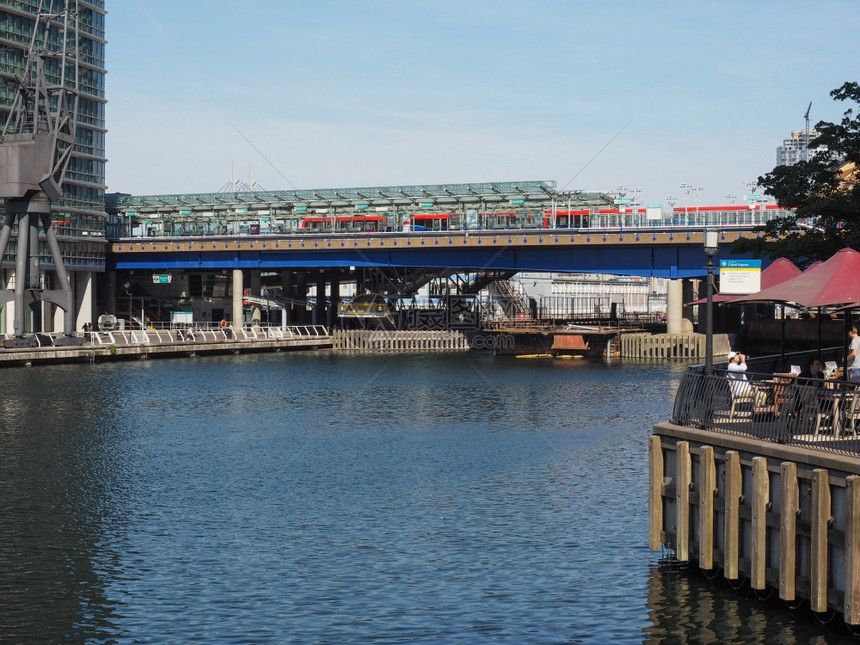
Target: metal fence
x: 781, y: 408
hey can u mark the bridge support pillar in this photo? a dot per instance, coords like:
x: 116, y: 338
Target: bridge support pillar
x: 679, y: 319
x: 288, y: 290
x: 331, y: 320
x: 319, y: 306
x: 300, y: 291
x: 254, y: 280
x: 238, y: 291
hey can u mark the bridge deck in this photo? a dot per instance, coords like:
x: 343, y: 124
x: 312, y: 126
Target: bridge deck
x: 645, y: 252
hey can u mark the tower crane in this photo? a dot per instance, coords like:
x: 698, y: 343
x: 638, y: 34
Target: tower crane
x: 36, y: 145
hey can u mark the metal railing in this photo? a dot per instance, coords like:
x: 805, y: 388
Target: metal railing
x: 204, y: 333
x: 780, y: 408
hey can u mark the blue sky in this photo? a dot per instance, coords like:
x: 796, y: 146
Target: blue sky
x: 593, y: 95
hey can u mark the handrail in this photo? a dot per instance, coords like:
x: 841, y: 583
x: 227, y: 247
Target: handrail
x: 817, y: 414
x: 163, y: 335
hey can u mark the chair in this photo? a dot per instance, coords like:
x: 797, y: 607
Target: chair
x: 742, y: 392
x: 850, y: 414
x: 805, y: 410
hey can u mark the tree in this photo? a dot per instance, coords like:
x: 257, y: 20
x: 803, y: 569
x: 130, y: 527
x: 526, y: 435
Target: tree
x: 823, y: 190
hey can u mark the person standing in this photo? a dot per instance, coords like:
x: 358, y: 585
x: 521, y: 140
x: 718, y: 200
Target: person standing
x: 852, y: 361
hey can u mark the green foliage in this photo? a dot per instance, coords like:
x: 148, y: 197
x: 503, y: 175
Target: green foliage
x: 827, y: 218
x: 112, y: 350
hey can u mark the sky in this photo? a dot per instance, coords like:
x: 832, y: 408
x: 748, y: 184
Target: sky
x: 362, y: 93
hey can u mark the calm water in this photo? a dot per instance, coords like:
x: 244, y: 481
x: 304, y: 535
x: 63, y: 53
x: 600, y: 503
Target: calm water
x: 320, y: 498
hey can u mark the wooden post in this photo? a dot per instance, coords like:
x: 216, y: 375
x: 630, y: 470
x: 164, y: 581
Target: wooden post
x: 852, y: 546
x: 655, y: 492
x: 683, y: 477
x: 707, y: 488
x: 759, y: 502
x: 818, y: 554
x: 733, y: 488
x: 788, y: 531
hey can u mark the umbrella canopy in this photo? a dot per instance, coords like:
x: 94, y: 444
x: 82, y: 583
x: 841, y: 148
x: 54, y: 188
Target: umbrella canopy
x: 779, y: 271
x: 831, y: 283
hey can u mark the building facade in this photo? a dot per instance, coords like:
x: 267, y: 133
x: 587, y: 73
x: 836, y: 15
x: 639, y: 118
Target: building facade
x: 796, y: 148
x: 78, y: 216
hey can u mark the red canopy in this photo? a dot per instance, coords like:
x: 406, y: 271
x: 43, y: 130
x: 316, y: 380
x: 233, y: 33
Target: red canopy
x: 779, y: 271
x: 830, y: 283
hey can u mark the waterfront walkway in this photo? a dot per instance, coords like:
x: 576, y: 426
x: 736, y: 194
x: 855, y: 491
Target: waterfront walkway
x: 165, y: 343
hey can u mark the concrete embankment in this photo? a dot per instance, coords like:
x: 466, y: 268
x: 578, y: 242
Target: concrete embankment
x: 101, y: 347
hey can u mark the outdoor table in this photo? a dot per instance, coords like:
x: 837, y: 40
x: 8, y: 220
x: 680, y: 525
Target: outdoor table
x: 781, y: 382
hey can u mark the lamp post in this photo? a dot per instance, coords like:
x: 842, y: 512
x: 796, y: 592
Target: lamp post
x: 711, y: 248
x: 686, y: 188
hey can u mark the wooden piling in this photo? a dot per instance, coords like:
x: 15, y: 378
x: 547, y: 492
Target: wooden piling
x: 707, y: 487
x: 788, y: 531
x: 733, y: 488
x: 683, y: 477
x: 790, y: 515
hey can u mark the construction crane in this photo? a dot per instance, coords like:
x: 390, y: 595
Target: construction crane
x: 806, y: 134
x: 36, y: 146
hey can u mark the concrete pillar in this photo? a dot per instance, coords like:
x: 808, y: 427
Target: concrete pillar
x: 83, y: 286
x: 57, y: 317
x: 678, y: 317
x: 687, y: 293
x: 254, y: 281
x: 287, y: 288
x: 238, y: 289
x: 9, y: 307
x: 301, y: 295
x: 109, y: 293
x: 331, y: 320
x: 320, y: 308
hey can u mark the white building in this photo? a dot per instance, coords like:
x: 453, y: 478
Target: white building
x: 796, y: 148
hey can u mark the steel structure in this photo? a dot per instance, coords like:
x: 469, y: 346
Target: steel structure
x: 283, y: 211
x: 53, y: 65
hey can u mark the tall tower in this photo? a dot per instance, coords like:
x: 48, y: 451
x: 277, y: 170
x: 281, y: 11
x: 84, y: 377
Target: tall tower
x: 76, y: 215
x: 796, y: 148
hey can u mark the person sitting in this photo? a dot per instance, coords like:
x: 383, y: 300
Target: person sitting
x: 737, y: 368
x: 810, y: 372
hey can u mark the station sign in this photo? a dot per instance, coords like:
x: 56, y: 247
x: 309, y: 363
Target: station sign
x: 426, y: 204
x: 161, y: 278
x: 740, y: 277
x: 517, y: 202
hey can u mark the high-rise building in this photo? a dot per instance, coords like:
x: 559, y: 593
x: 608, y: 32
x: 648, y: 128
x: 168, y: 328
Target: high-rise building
x: 796, y: 148
x: 78, y: 216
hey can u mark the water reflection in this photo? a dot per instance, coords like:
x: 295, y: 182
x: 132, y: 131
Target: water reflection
x: 686, y: 607
x: 57, y: 470
x: 320, y: 497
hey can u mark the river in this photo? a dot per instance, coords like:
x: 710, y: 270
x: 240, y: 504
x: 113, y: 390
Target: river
x: 315, y: 497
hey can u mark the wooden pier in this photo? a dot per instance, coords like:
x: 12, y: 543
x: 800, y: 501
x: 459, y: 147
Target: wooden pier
x: 779, y: 517
x: 366, y: 340
x: 669, y: 346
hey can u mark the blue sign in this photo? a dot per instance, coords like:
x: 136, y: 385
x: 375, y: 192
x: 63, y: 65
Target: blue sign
x: 740, y: 264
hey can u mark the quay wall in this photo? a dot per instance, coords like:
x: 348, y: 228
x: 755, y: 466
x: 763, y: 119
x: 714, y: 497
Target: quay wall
x: 778, y: 517
x: 101, y: 347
